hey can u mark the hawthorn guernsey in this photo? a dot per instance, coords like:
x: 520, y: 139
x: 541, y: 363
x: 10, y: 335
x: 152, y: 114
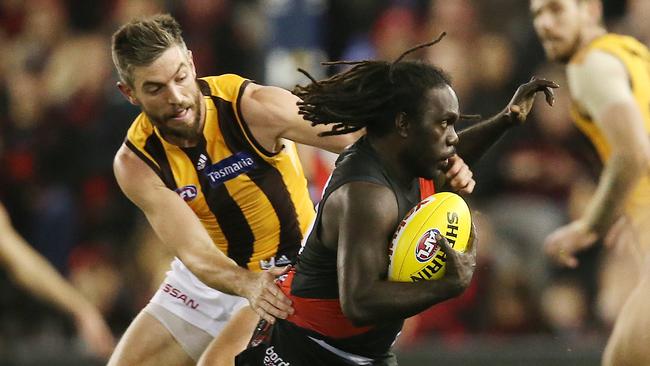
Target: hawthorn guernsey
x: 414, y: 254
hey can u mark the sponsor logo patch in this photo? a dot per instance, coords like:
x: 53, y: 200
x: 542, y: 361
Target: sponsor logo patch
x: 271, y: 358
x: 280, y: 261
x: 229, y: 168
x: 427, y: 246
x: 179, y: 295
x: 187, y: 193
x: 202, y: 161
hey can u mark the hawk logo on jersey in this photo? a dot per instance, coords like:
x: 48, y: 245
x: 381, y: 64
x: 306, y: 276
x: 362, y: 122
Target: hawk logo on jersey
x: 229, y: 168
x: 201, y: 164
x: 187, y: 193
x: 427, y: 246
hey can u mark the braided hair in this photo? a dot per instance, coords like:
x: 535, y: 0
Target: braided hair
x: 370, y: 94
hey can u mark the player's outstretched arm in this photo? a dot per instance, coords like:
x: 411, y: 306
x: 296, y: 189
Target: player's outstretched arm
x: 179, y: 228
x: 475, y: 140
x: 272, y: 113
x: 364, y: 216
x: 600, y: 85
x: 34, y: 273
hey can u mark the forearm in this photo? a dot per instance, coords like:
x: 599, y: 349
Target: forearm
x: 620, y: 175
x: 191, y: 243
x: 475, y: 140
x: 218, y: 271
x: 34, y: 273
x: 385, y: 300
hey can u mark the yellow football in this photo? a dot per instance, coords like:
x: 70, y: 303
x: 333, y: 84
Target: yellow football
x: 414, y: 254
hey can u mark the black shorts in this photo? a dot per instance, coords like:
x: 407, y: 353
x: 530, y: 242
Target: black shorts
x: 287, y: 346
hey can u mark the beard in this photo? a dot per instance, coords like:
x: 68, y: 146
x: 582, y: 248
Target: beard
x: 183, y: 131
x: 565, y: 55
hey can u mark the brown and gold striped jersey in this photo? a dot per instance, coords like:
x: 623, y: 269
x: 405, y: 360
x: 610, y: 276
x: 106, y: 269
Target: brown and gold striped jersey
x: 636, y: 59
x: 253, y: 203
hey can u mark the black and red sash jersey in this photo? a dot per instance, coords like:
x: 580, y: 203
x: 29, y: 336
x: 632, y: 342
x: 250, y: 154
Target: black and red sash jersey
x: 313, y: 285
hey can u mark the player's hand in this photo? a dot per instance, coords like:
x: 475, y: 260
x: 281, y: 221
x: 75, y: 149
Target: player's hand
x: 459, y: 177
x: 95, y: 332
x: 460, y: 265
x: 522, y: 102
x: 266, y: 298
x: 563, y: 244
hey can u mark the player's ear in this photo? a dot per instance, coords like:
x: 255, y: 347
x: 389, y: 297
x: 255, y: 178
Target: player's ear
x: 190, y: 59
x: 401, y: 124
x: 593, y: 10
x: 128, y: 93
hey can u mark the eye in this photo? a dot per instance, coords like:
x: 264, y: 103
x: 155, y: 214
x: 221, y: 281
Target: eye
x: 182, y: 77
x: 152, y: 90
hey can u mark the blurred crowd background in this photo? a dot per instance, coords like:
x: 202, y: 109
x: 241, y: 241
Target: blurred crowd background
x: 62, y: 119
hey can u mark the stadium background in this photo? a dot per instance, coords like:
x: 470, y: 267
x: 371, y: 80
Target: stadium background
x: 62, y: 119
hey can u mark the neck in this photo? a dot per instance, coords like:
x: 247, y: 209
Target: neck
x: 390, y: 159
x: 591, y: 33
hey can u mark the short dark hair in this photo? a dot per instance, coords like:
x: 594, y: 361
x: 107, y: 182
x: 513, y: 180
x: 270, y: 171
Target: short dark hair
x: 141, y: 41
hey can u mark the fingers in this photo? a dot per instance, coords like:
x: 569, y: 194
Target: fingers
x: 446, y: 248
x: 460, y: 176
x: 469, y: 188
x: 268, y: 301
x: 515, y: 109
x: 561, y: 255
x: 454, y: 166
x: 545, y: 86
x: 279, y: 271
x: 473, y: 241
x: 274, y: 296
x: 550, y: 98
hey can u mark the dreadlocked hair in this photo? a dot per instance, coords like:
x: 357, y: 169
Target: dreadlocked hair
x: 369, y: 95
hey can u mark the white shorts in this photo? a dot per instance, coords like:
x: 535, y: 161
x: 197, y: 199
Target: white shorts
x: 185, y: 296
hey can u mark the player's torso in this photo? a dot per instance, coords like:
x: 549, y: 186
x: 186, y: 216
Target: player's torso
x: 314, y: 284
x: 253, y: 203
x: 636, y: 59
x: 317, y: 275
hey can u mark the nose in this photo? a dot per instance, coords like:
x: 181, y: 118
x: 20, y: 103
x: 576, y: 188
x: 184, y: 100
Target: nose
x: 452, y: 137
x: 542, y: 22
x: 174, y: 95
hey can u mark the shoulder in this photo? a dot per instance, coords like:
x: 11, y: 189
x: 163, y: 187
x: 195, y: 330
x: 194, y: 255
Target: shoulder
x: 226, y: 86
x: 596, y: 71
x: 365, y: 201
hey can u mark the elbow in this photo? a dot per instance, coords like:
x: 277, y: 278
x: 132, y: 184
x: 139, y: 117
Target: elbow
x: 354, y: 309
x: 636, y: 163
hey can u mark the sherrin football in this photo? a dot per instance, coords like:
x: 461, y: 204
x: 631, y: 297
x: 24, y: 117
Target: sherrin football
x: 414, y: 254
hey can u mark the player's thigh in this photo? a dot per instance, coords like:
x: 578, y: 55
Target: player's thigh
x: 628, y: 343
x: 232, y: 340
x: 148, y: 342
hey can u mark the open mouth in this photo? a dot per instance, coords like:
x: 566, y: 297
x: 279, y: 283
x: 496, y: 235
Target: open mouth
x: 180, y: 114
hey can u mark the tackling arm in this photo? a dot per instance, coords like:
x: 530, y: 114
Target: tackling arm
x: 179, y: 227
x: 602, y: 87
x: 272, y: 113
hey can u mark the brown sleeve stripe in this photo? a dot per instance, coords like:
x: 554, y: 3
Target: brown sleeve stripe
x: 154, y: 147
x: 144, y: 158
x: 244, y: 125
